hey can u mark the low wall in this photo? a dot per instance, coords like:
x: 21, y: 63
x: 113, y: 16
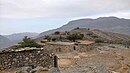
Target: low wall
x: 84, y: 47
x: 56, y: 48
x: 35, y: 57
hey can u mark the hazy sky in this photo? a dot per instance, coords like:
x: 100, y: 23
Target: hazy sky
x: 41, y: 15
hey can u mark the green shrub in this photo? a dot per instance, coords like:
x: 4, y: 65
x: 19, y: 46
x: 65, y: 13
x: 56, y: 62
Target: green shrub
x: 27, y: 42
x: 74, y: 37
x: 88, y: 28
x: 99, y: 41
x: 76, y: 28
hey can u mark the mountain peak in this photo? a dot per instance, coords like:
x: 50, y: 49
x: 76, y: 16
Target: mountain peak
x: 111, y: 17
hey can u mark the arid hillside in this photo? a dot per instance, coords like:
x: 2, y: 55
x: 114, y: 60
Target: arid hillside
x: 88, y: 34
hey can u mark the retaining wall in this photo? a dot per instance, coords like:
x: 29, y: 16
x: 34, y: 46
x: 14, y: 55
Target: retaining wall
x: 35, y: 57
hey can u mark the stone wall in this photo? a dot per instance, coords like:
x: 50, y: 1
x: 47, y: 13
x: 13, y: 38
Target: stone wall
x: 34, y: 57
x: 55, y: 48
x: 84, y: 47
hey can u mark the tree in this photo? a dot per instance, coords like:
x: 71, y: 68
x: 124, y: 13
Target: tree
x: 57, y: 32
x: 28, y: 42
x: 77, y: 28
x: 74, y: 37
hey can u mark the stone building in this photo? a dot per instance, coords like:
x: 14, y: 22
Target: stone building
x: 64, y: 47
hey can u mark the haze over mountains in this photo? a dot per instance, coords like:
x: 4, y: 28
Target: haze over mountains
x: 110, y: 24
x: 20, y: 36
x: 9, y: 40
x: 4, y: 42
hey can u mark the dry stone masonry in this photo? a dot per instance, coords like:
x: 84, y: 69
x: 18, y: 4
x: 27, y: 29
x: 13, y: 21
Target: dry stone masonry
x: 21, y: 58
x: 58, y: 48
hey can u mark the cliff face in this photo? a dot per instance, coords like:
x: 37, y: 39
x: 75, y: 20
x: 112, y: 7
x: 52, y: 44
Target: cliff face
x: 33, y: 57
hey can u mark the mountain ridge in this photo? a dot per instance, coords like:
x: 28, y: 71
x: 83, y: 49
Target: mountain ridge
x: 110, y: 24
x: 20, y: 36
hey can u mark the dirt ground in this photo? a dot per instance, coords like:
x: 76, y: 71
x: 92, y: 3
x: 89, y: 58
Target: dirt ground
x: 103, y: 59
x: 108, y: 58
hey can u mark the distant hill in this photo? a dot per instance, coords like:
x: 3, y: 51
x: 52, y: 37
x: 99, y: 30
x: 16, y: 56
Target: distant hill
x: 4, y: 42
x: 20, y: 36
x: 110, y: 24
x: 9, y: 40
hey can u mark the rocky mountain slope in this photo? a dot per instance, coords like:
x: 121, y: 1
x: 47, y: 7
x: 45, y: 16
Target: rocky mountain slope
x: 110, y: 24
x: 111, y: 36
